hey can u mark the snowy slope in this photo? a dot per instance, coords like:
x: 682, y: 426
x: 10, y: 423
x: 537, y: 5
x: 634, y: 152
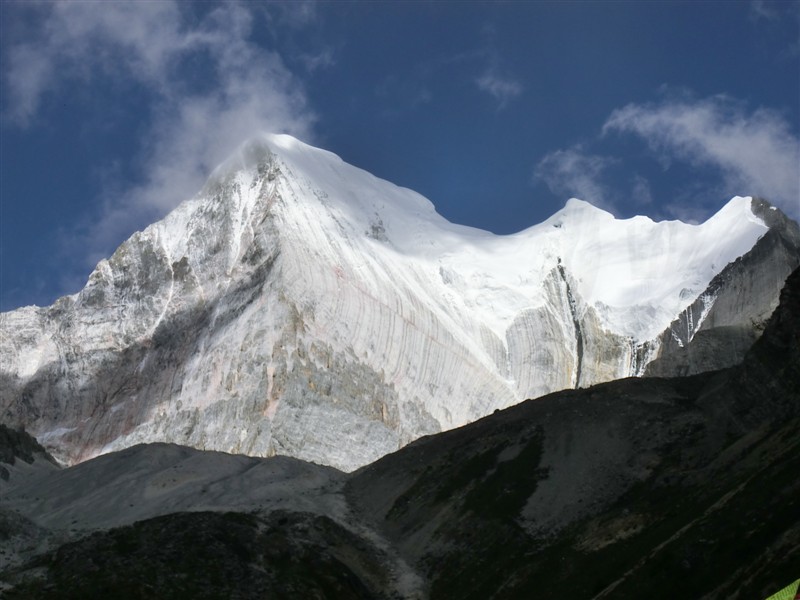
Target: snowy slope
x: 299, y: 305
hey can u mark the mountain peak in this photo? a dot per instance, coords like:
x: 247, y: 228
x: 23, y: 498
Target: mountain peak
x: 579, y: 210
x: 300, y: 305
x: 257, y: 150
x: 738, y: 207
x: 576, y: 204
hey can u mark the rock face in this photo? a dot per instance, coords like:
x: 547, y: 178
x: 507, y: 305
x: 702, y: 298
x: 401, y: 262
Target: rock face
x: 301, y: 306
x: 21, y: 458
x: 18, y: 445
x: 718, y: 328
x: 686, y: 487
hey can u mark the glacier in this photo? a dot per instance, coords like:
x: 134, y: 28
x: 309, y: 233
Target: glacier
x: 301, y: 306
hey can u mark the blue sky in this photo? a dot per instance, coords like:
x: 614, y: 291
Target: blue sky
x: 113, y: 113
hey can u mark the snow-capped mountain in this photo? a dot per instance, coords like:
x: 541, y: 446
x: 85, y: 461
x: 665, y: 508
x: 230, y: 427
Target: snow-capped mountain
x: 301, y: 306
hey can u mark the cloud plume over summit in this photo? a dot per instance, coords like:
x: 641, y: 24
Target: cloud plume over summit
x: 190, y: 123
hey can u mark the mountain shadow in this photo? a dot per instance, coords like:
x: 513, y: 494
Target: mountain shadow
x: 669, y: 488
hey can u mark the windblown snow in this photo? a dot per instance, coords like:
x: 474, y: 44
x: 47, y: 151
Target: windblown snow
x: 299, y: 305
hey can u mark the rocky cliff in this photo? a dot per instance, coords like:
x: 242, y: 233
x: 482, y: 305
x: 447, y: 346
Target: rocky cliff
x: 683, y: 487
x: 718, y: 328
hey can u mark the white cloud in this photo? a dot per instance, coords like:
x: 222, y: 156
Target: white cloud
x: 573, y: 172
x: 77, y: 39
x: 756, y: 152
x: 193, y: 127
x: 503, y: 89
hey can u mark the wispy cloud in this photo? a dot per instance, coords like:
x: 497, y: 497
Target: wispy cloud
x: 775, y: 19
x: 495, y: 80
x: 755, y: 152
x: 641, y: 193
x: 192, y: 127
x: 76, y: 41
x: 574, y: 172
x: 502, y: 88
x: 759, y: 9
x: 323, y: 59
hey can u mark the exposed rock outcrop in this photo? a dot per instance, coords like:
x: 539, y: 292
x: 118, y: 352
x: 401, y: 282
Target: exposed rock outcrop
x: 718, y: 328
